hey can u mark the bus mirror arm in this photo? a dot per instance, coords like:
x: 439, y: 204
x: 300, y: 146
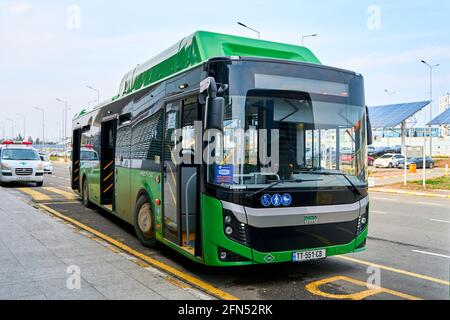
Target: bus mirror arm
x: 369, y: 128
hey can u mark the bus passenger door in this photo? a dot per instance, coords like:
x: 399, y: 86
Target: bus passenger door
x: 107, y: 163
x: 123, y: 168
x: 181, y: 195
x: 171, y: 218
x: 75, y: 168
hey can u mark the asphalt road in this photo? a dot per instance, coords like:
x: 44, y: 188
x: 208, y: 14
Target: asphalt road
x: 408, y: 251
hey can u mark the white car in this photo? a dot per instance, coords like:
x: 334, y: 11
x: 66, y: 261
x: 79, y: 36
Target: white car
x: 389, y: 160
x: 20, y: 162
x: 48, y: 167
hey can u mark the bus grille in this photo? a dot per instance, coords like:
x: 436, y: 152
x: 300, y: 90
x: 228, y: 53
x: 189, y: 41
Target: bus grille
x: 24, y: 171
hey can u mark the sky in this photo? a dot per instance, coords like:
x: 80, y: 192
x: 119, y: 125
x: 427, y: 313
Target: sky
x: 54, y: 49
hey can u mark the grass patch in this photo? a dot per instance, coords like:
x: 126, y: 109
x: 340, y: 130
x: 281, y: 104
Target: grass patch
x: 442, y: 183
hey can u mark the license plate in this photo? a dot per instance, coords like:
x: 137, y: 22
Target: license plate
x: 23, y: 178
x: 309, y: 255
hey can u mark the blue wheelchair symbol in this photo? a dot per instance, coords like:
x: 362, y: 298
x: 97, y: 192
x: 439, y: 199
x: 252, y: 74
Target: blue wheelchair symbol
x: 266, y: 200
x: 286, y: 199
x: 276, y: 200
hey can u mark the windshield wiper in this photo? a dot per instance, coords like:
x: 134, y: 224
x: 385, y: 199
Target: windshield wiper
x: 251, y: 195
x: 353, y: 187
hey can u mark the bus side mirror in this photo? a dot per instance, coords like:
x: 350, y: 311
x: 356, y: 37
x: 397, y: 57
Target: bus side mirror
x: 215, y: 106
x: 369, y: 128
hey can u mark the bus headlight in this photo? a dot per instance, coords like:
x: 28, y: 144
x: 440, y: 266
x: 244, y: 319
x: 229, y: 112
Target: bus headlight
x: 363, y: 221
x: 234, y: 229
x: 40, y: 167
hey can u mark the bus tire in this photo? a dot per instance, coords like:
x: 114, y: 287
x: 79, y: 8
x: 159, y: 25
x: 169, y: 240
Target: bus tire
x: 144, y: 222
x: 39, y: 184
x: 85, y: 194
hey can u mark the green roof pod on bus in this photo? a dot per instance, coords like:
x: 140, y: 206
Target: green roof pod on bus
x: 202, y: 46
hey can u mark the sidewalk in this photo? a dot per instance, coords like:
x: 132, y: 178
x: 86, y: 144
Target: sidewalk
x: 40, y: 257
x: 444, y: 194
x: 384, y: 178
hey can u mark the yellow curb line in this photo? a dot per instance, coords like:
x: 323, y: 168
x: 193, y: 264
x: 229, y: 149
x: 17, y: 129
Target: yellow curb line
x: 410, y: 193
x: 195, y: 282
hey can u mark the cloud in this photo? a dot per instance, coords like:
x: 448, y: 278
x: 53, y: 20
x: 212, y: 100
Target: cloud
x: 15, y: 7
x: 20, y: 8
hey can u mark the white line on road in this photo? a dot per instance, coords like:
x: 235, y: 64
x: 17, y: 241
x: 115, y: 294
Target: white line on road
x: 435, y: 220
x: 429, y: 204
x: 384, y: 199
x: 432, y: 254
x: 378, y: 212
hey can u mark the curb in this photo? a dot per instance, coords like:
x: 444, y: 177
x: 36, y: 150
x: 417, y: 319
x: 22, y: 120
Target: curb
x: 190, y: 280
x: 411, y: 193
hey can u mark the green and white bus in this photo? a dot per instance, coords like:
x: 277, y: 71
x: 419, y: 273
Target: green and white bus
x: 229, y: 213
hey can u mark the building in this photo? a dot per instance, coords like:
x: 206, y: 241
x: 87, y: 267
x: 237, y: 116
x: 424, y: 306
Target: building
x: 444, y: 103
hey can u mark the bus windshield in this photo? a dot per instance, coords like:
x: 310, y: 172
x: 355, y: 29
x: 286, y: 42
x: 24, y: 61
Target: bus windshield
x: 315, y: 115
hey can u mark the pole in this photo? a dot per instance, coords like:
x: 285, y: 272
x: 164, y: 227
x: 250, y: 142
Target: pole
x: 424, y: 171
x: 431, y: 112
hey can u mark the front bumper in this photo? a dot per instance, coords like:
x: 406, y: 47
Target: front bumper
x: 24, y: 179
x: 275, y: 251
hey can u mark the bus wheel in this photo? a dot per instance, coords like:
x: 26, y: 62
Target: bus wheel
x: 85, y: 194
x: 39, y: 184
x: 143, y: 222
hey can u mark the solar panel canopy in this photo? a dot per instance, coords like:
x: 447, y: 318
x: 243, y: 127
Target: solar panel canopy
x: 442, y: 119
x: 392, y: 115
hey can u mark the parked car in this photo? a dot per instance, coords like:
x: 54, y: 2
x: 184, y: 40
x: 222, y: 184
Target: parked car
x: 429, y: 163
x: 48, y: 167
x: 394, y: 149
x: 347, y: 159
x: 389, y: 160
x: 378, y: 152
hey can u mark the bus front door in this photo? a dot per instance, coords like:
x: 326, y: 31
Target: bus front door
x: 171, y: 215
x: 181, y: 192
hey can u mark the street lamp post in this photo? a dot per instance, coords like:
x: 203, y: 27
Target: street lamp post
x: 12, y: 127
x: 96, y: 90
x: 245, y: 26
x: 390, y: 94
x: 308, y: 36
x: 24, y: 125
x: 64, y: 118
x: 431, y: 67
x: 43, y: 126
x: 3, y: 131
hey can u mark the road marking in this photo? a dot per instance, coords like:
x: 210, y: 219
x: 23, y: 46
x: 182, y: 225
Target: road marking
x: 68, y: 195
x: 36, y: 195
x: 400, y: 271
x: 378, y: 212
x: 432, y: 254
x: 314, y: 288
x: 200, y: 284
x: 429, y: 204
x: 385, y: 199
x: 435, y: 220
